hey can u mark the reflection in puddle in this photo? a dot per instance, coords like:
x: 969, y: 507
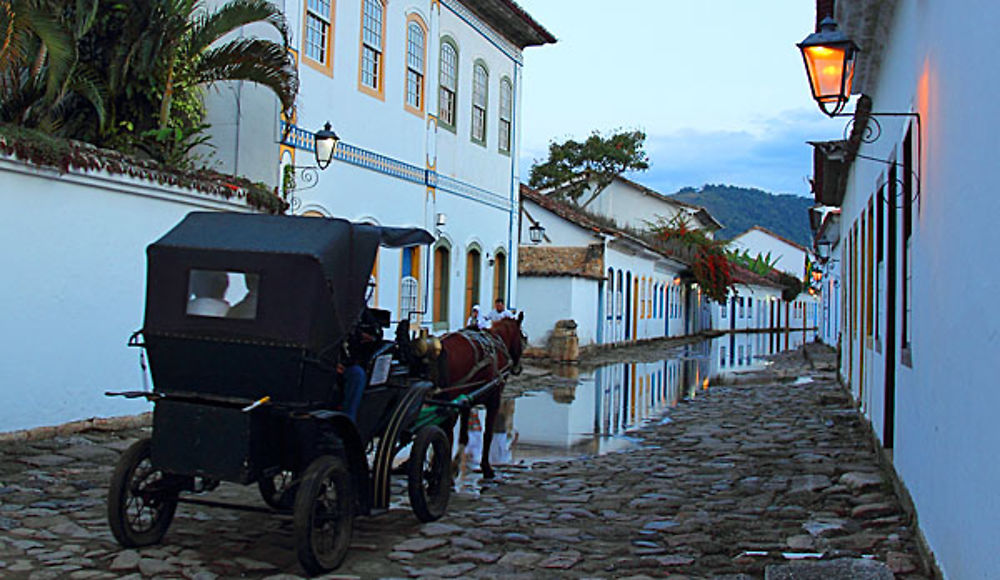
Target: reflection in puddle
x: 599, y: 411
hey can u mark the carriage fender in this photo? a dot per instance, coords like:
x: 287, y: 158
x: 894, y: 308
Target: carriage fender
x: 342, y: 426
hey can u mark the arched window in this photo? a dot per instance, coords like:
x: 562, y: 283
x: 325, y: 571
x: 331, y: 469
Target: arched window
x: 409, y: 282
x: 500, y: 275
x: 504, y: 128
x: 480, y: 87
x: 442, y: 263
x: 448, y: 84
x: 416, y: 41
x: 318, y: 43
x: 372, y: 34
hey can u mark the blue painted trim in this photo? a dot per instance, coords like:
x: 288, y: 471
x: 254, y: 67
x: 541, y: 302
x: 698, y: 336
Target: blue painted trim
x: 354, y: 155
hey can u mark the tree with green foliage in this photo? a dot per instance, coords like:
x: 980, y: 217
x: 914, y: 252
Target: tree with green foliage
x: 41, y: 73
x: 574, y: 167
x: 130, y: 74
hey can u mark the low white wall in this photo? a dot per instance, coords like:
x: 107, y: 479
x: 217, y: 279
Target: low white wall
x: 74, y: 267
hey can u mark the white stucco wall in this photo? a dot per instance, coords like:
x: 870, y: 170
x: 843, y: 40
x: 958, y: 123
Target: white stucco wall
x: 631, y: 207
x: 946, y: 432
x: 786, y: 257
x: 546, y: 299
x: 75, y: 267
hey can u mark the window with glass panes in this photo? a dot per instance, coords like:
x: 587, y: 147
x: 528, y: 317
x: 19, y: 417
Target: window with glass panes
x: 317, y: 30
x: 449, y: 84
x: 506, y: 113
x: 371, y: 44
x: 415, y: 66
x: 480, y: 83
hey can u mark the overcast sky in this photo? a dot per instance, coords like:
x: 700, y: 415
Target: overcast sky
x: 717, y: 85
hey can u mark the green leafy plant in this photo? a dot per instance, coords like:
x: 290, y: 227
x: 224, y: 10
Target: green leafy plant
x: 576, y: 167
x: 174, y: 145
x: 761, y: 264
x: 288, y: 180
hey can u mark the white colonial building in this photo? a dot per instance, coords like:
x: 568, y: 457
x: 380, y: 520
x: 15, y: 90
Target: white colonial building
x: 633, y: 205
x: 918, y: 206
x: 786, y: 255
x: 425, y: 96
x: 614, y: 285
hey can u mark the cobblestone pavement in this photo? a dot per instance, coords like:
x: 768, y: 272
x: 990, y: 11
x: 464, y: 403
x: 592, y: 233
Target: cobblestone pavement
x: 741, y: 477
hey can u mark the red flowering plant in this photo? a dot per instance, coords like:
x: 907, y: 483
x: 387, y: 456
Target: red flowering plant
x: 706, y: 256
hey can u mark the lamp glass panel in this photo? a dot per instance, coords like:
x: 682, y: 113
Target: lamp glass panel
x: 324, y: 150
x: 826, y: 68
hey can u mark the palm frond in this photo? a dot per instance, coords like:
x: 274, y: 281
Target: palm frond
x: 250, y: 59
x: 209, y: 28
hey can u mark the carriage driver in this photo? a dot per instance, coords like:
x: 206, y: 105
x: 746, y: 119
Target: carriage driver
x: 357, y: 350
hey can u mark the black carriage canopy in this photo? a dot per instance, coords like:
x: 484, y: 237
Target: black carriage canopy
x: 307, y: 277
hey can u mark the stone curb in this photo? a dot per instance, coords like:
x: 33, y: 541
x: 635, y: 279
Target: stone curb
x: 92, y: 424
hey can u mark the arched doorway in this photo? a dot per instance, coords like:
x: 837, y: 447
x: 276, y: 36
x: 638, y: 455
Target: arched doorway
x: 473, y: 263
x: 442, y: 263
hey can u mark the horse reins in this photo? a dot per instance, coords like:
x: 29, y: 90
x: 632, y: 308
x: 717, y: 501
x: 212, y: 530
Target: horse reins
x: 487, y: 342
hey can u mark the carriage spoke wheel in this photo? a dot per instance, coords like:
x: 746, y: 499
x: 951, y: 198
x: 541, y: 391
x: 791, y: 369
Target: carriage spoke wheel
x: 323, y: 515
x: 278, y: 490
x: 429, y: 477
x: 141, y: 499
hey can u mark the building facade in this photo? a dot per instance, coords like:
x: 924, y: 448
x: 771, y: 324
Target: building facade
x: 917, y: 206
x: 616, y: 287
x: 425, y: 96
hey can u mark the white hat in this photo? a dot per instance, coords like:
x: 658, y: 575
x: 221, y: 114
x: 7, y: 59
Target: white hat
x: 475, y: 307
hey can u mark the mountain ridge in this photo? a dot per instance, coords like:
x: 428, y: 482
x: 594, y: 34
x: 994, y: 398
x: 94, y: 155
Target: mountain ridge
x: 740, y: 208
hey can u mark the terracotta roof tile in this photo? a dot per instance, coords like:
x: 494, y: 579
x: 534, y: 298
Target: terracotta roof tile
x: 585, y: 262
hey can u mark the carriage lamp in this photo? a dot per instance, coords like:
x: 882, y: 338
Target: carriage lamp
x: 326, y: 143
x: 440, y: 220
x: 536, y: 232
x: 829, y: 58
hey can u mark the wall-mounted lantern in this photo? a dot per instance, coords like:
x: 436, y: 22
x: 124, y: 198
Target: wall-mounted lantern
x: 536, y: 232
x: 823, y: 249
x: 829, y: 57
x: 325, y: 144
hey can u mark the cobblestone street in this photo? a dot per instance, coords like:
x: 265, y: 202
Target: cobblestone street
x: 741, y: 477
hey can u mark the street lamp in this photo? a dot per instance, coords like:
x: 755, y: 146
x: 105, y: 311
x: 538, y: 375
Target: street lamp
x: 829, y: 57
x: 325, y: 144
x: 536, y: 232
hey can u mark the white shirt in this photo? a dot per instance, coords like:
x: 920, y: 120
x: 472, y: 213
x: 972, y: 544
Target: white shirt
x: 493, y: 315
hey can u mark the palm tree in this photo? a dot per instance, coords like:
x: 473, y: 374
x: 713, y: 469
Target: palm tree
x: 197, y: 56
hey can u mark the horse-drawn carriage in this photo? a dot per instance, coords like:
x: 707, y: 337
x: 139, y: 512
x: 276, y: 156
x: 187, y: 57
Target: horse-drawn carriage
x: 259, y: 338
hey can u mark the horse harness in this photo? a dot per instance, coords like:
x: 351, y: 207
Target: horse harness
x: 486, y: 346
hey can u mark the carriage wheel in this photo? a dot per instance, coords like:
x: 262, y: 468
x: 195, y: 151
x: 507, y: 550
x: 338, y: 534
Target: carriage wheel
x: 323, y: 515
x: 429, y: 474
x: 278, y: 490
x: 141, y: 502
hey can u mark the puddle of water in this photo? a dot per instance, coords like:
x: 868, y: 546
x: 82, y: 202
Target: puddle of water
x: 602, y: 411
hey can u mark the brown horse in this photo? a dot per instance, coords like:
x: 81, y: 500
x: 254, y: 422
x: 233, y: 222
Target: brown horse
x: 472, y: 359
